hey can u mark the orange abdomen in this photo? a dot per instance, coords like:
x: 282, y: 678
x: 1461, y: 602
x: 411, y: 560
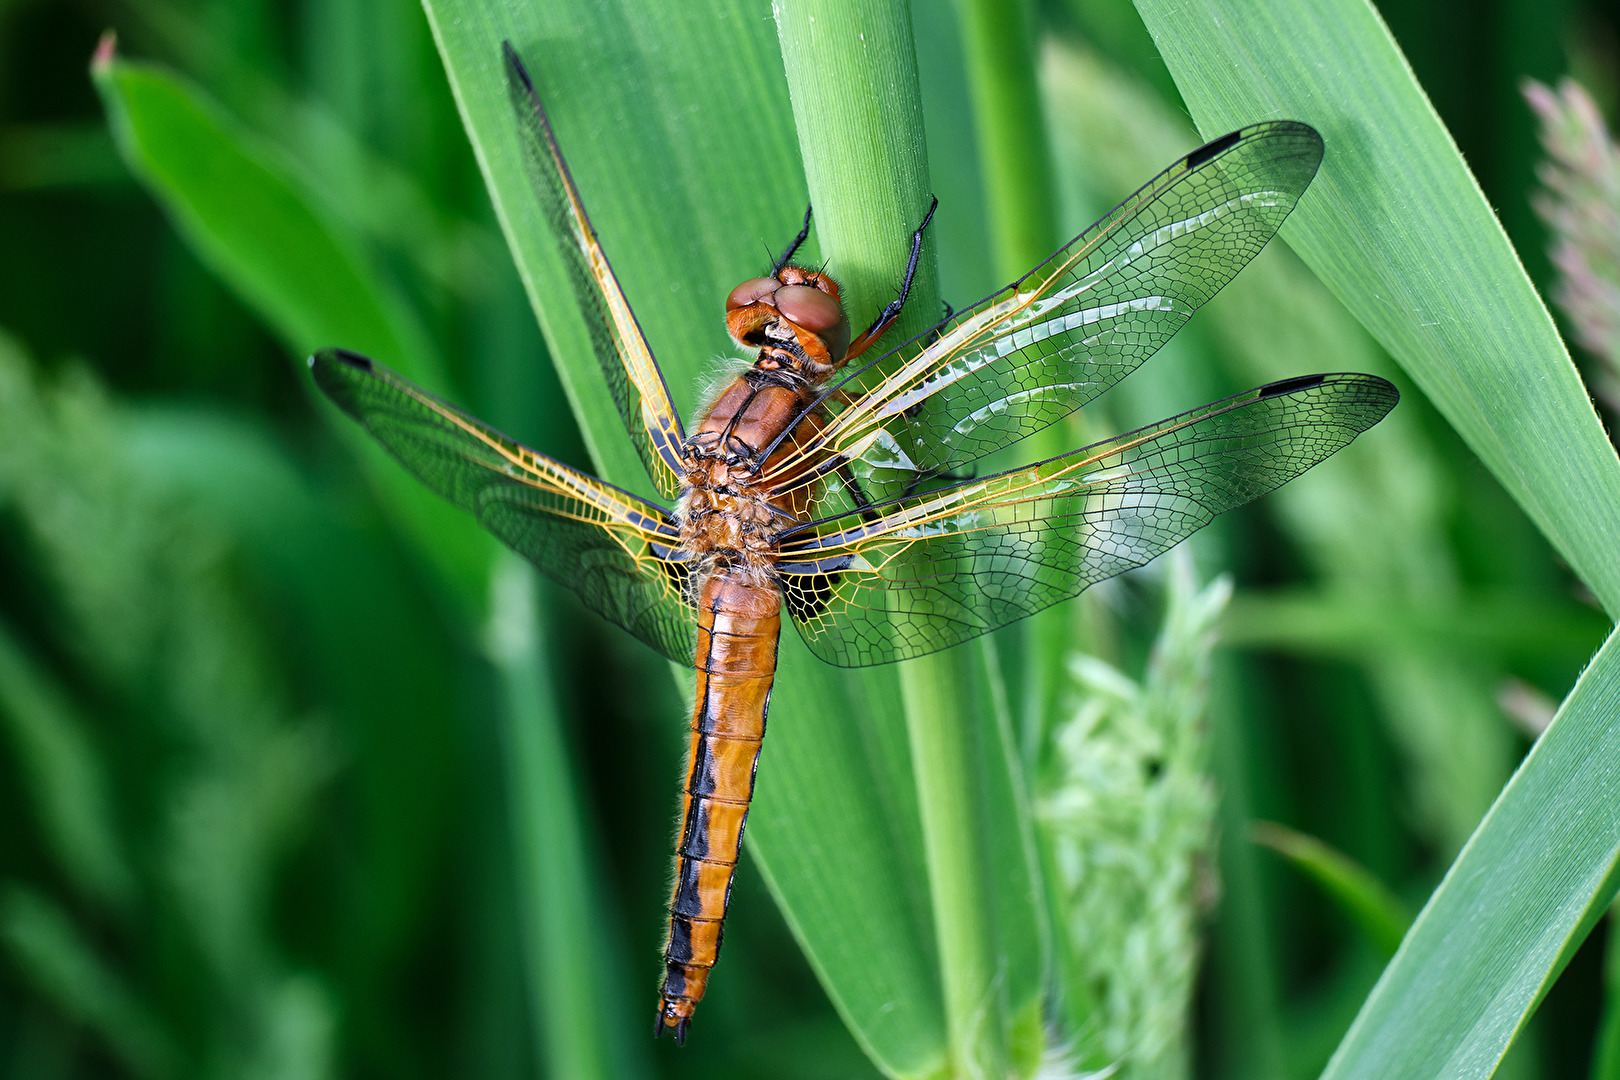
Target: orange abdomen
x: 738, y: 627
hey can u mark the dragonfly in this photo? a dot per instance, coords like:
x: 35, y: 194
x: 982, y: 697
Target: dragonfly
x: 845, y: 493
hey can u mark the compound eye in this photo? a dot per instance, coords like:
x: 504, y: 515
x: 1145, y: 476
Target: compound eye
x: 752, y: 291
x: 818, y: 313
x: 810, y: 308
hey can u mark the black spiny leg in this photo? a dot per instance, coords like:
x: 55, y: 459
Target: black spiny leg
x: 797, y: 240
x: 892, y: 312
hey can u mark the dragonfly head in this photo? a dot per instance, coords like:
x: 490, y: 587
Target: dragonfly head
x: 795, y: 319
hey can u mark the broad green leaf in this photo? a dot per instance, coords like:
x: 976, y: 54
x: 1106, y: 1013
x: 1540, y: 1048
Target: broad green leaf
x: 244, y: 215
x: 1380, y: 916
x: 1396, y: 226
x: 1512, y: 909
x: 677, y: 126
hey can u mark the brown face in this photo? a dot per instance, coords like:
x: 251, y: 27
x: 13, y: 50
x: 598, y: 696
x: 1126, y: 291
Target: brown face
x: 804, y: 301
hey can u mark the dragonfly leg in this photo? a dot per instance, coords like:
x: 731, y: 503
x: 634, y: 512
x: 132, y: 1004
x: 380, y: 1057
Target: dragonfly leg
x: 892, y: 312
x: 797, y: 240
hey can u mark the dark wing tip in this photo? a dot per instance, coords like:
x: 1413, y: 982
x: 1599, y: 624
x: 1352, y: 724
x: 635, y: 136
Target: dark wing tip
x: 1368, y: 390
x: 1213, y: 147
x: 1288, y: 386
x: 514, y: 65
x: 334, y: 372
x: 1272, y: 128
x: 352, y: 359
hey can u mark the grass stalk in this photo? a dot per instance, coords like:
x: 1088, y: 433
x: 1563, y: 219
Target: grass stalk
x: 852, y: 75
x: 943, y: 749
x: 1014, y: 161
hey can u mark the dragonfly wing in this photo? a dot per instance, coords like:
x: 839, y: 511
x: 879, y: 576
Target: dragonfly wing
x: 1036, y: 351
x: 619, y: 553
x: 915, y: 575
x: 621, y: 349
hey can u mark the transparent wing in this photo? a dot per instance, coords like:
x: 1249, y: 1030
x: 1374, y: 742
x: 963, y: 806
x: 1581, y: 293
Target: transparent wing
x: 1049, y: 343
x: 915, y: 575
x: 621, y: 350
x: 619, y: 553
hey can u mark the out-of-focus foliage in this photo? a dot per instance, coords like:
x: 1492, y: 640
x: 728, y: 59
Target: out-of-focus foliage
x: 1581, y: 206
x: 1128, y: 812
x: 296, y: 780
x: 153, y: 620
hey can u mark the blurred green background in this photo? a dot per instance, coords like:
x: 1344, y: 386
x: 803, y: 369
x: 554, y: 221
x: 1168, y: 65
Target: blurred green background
x: 257, y: 813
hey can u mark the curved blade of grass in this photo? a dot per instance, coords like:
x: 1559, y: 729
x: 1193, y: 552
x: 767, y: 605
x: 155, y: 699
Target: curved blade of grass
x: 246, y: 218
x: 1534, y: 878
x: 1333, y: 624
x: 1396, y: 226
x: 1367, y: 901
x: 677, y: 126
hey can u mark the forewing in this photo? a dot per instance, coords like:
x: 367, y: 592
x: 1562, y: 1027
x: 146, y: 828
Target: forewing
x: 1038, y: 350
x: 621, y: 350
x: 916, y: 575
x: 619, y: 553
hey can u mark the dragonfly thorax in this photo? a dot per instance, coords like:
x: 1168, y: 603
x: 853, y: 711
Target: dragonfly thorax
x: 733, y: 526
x: 727, y: 511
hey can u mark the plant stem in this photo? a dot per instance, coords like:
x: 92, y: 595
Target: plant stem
x: 1007, y: 118
x: 852, y: 74
x: 558, y: 906
x: 943, y: 749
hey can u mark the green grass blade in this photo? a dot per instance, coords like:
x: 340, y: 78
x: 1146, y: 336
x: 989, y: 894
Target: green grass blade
x: 1531, y: 882
x: 253, y: 225
x: 1396, y: 226
x: 689, y: 191
x: 247, y: 219
x: 1376, y: 911
x: 1333, y: 624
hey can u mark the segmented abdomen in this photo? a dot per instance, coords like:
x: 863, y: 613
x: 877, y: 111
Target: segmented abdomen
x: 738, y: 627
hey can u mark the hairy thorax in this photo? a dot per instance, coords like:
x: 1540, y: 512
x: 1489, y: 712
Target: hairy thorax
x: 734, y: 507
